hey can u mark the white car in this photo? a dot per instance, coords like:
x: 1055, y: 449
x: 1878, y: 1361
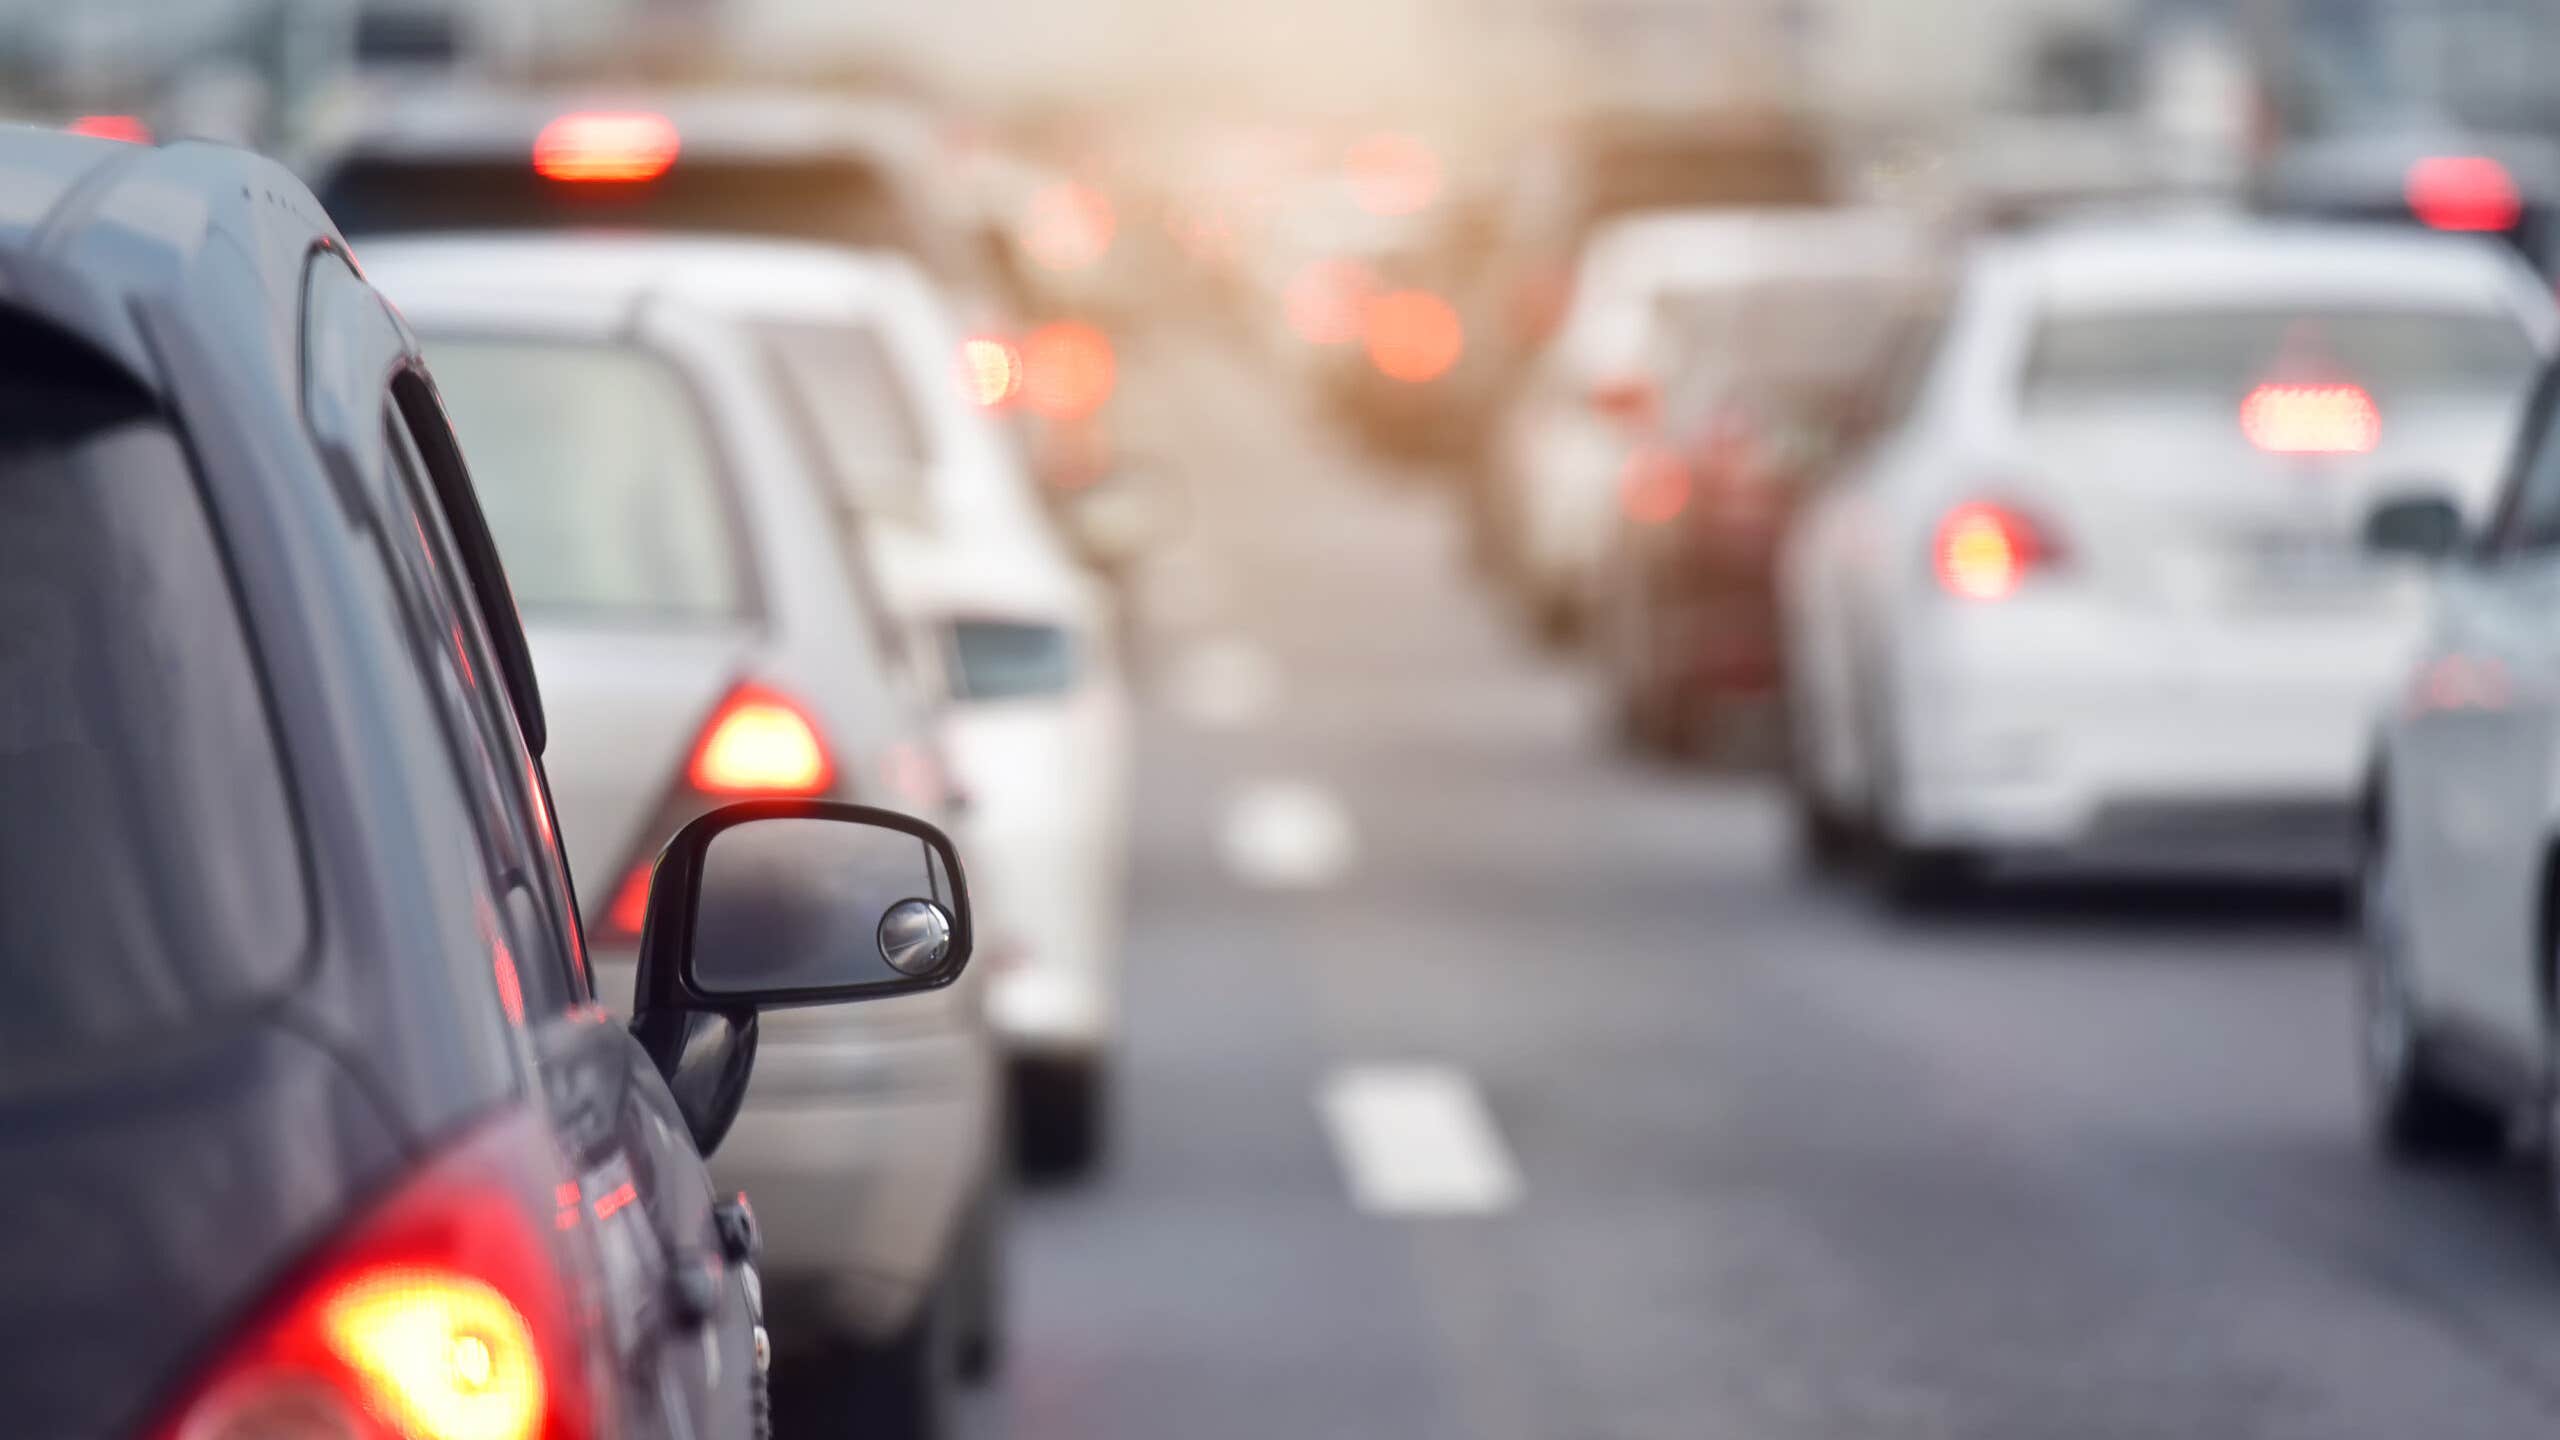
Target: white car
x: 1037, y: 724
x: 705, y: 629
x: 2460, y: 873
x: 1561, y: 451
x: 2093, y: 589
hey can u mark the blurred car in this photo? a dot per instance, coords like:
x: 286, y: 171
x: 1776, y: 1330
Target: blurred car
x: 2092, y: 590
x: 2507, y: 186
x: 1037, y: 724
x: 2459, y: 874
x: 323, y: 1131
x: 1761, y: 378
x: 708, y: 628
x: 765, y: 161
x: 1552, y: 477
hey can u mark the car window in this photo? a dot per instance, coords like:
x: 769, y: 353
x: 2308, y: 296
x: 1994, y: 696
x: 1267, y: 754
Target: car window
x: 846, y: 392
x: 461, y: 686
x: 1008, y: 660
x: 2528, y: 519
x: 596, y: 468
x: 511, y: 809
x: 2216, y: 356
x: 150, y: 872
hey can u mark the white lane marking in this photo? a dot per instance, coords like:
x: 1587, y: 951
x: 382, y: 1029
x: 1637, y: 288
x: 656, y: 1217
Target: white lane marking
x: 1223, y: 684
x: 1287, y: 835
x: 1417, y: 1140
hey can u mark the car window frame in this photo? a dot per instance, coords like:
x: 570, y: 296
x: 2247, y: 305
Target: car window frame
x: 2499, y: 542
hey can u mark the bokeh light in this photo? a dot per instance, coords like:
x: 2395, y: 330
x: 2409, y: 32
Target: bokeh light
x: 1068, y: 370
x: 1413, y: 336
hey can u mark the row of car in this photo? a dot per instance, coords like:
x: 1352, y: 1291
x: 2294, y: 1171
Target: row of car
x: 2172, y: 541
x: 637, y: 456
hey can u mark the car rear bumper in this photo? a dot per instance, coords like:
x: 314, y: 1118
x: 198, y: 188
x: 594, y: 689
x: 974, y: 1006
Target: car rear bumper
x: 2207, y: 754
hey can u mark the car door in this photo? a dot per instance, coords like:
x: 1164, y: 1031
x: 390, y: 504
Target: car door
x: 670, y: 1337
x: 675, y: 1311
x: 2477, y: 761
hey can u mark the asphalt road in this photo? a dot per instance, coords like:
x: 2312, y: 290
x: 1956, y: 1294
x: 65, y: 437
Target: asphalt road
x: 1764, y: 1161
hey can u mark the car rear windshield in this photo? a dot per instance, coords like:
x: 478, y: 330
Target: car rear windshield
x: 1011, y: 660
x: 1823, y: 332
x: 835, y: 200
x: 150, y: 869
x: 599, y: 476
x: 845, y: 390
x: 2221, y: 354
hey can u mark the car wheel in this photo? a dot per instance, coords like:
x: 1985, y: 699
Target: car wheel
x: 2411, y: 1111
x: 909, y: 1389
x: 1061, y: 1115
x: 1826, y: 840
x: 1922, y: 877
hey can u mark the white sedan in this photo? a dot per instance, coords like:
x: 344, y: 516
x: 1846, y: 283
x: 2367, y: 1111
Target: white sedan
x: 2093, y: 589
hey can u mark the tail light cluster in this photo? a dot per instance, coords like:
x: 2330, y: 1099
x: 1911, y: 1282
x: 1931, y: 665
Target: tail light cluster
x: 442, y: 1315
x: 1987, y: 551
x: 2311, y: 420
x: 757, y: 744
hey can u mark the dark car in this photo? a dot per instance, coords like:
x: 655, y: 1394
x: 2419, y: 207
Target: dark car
x: 1765, y: 397
x: 313, y: 1121
x: 2506, y: 186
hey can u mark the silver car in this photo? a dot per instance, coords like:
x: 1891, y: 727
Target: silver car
x: 705, y: 629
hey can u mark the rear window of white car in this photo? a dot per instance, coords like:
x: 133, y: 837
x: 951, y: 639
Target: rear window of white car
x: 2219, y: 355
x: 845, y: 389
x: 599, y: 476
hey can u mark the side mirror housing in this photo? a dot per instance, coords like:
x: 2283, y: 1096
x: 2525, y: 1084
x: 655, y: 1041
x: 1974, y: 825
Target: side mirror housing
x: 2418, y: 525
x: 769, y: 904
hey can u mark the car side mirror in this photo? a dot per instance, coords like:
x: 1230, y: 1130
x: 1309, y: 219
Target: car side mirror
x: 2417, y: 525
x: 770, y: 904
x: 1119, y: 518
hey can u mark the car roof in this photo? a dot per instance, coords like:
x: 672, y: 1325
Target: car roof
x: 2237, y: 261
x: 604, y: 275
x: 1704, y: 245
x: 93, y: 232
x: 474, y: 122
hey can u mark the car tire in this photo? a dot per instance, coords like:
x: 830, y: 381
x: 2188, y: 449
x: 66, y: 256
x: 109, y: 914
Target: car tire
x: 1061, y: 1115
x: 2412, y: 1112
x: 984, y: 1309
x: 909, y: 1389
x: 1914, y: 878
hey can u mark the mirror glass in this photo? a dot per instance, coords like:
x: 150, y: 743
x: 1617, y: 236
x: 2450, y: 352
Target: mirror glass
x: 804, y: 903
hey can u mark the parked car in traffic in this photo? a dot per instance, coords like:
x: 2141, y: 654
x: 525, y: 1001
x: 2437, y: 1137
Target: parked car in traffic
x: 1761, y: 376
x: 2459, y: 861
x: 1589, y: 402
x: 321, y: 1125
x: 2092, y: 591
x: 710, y: 626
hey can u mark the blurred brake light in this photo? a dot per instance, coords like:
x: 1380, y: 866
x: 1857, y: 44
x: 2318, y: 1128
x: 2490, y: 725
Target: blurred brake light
x: 2311, y: 420
x: 611, y: 146
x: 1413, y: 336
x: 760, y: 743
x: 1068, y: 370
x: 628, y: 913
x: 1653, y: 485
x: 443, y: 1316
x: 127, y: 128
x: 990, y: 370
x: 1068, y: 226
x: 1391, y: 174
x: 2463, y: 192
x: 1985, y: 551
x: 1626, y: 399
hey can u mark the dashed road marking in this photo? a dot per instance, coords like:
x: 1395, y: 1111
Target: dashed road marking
x: 1224, y: 684
x: 1287, y: 835
x: 1416, y: 1139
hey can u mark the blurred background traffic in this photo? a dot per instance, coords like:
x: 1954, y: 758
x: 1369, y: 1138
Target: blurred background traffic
x: 1670, y: 717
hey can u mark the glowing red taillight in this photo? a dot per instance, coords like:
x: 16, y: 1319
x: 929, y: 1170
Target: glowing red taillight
x: 2463, y: 192
x: 2311, y: 420
x: 1413, y: 336
x: 442, y: 1315
x: 760, y: 742
x: 606, y: 146
x: 1068, y: 370
x: 1985, y: 551
x: 127, y: 128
